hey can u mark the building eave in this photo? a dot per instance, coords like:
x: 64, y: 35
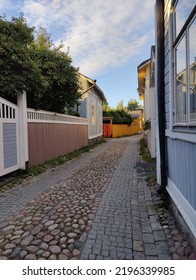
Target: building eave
x: 141, y: 69
x: 96, y: 87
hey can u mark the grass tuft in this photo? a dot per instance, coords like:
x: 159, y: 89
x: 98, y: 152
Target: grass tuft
x: 144, y: 152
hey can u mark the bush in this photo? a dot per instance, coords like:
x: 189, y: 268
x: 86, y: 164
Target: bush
x: 119, y: 116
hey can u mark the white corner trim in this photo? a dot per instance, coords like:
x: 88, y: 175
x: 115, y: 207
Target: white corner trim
x: 9, y: 170
x: 189, y: 137
x: 186, y: 210
x: 94, y: 136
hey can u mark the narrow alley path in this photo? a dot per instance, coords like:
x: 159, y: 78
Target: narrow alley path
x: 126, y: 225
x: 97, y: 206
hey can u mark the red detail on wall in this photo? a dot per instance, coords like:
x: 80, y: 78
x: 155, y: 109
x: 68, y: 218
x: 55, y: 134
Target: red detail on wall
x: 107, y: 130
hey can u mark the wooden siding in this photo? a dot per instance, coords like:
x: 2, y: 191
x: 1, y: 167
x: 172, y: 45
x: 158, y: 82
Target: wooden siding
x: 182, y: 168
x: 9, y: 137
x: 96, y: 127
x: 9, y: 145
x: 50, y: 140
x: 119, y: 130
x: 167, y: 64
x: 181, y: 154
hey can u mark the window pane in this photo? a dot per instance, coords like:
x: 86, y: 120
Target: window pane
x: 183, y: 10
x: 181, y: 82
x: 192, y: 86
x: 93, y: 114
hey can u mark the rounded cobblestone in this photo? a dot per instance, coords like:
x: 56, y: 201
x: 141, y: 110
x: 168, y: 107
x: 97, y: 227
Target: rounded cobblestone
x: 68, y: 211
x: 60, y: 221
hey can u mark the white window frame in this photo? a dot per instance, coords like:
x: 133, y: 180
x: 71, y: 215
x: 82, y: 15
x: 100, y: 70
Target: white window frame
x: 184, y: 33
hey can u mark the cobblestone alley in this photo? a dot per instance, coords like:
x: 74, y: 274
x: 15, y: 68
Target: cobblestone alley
x: 96, y: 206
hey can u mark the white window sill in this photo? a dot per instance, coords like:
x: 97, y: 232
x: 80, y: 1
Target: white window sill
x: 189, y: 137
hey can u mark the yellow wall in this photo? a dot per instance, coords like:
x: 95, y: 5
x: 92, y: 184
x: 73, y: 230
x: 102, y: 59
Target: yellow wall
x: 119, y: 130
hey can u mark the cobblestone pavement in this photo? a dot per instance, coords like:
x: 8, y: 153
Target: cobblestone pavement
x: 126, y: 225
x: 17, y: 196
x: 97, y: 206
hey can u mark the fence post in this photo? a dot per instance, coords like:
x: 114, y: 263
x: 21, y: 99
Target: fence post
x: 23, y: 133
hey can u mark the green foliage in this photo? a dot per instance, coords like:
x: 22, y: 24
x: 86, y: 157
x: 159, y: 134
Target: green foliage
x: 119, y: 116
x: 152, y: 179
x: 147, y: 125
x: 43, y: 41
x: 60, y: 79
x: 105, y: 107
x: 120, y: 106
x: 17, y: 70
x: 36, y: 66
x: 133, y: 105
x: 144, y: 152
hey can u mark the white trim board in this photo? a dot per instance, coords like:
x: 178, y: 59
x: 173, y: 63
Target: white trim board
x: 188, y: 137
x: 56, y: 122
x: 94, y: 136
x: 186, y: 210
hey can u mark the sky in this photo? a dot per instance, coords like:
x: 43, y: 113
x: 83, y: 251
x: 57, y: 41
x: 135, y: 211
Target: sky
x: 107, y: 39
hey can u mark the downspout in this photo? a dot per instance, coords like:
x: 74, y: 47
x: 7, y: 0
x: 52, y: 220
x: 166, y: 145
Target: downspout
x: 161, y: 90
x: 93, y: 85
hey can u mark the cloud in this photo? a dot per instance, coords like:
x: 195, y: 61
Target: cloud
x: 100, y: 34
x: 108, y: 36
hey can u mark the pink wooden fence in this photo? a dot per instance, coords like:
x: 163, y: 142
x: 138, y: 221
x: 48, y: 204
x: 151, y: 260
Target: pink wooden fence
x: 51, y: 135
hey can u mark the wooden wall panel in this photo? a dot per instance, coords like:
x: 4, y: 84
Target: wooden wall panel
x: 182, y: 168
x: 119, y: 130
x: 49, y: 140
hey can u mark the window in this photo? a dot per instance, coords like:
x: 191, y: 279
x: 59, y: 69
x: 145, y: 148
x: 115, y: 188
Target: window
x: 184, y: 50
x: 93, y: 114
x: 192, y: 73
x: 180, y: 81
x: 183, y: 10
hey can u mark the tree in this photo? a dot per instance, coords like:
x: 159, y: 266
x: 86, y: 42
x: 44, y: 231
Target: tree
x: 133, y: 105
x: 119, y: 116
x: 17, y: 70
x: 106, y: 107
x: 120, y: 106
x: 60, y: 77
x: 37, y: 66
x: 43, y: 41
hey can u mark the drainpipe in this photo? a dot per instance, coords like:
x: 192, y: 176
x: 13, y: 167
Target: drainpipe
x: 89, y: 88
x: 161, y: 90
x: 93, y: 85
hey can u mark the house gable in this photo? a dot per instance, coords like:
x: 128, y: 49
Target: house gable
x: 90, y: 106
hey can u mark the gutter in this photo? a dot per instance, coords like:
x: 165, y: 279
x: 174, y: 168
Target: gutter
x: 159, y: 8
x: 82, y: 93
x: 89, y: 88
x: 93, y: 82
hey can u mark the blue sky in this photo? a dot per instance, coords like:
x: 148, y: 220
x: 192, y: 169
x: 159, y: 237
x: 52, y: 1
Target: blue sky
x: 108, y: 39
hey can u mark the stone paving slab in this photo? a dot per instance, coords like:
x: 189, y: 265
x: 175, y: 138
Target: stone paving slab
x: 97, y: 206
x: 126, y: 225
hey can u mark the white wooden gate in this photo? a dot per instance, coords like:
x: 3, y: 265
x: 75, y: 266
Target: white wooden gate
x: 9, y: 137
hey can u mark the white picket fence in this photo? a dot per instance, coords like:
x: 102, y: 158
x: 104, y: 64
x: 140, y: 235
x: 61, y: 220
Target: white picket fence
x: 51, y: 117
x: 14, y: 119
